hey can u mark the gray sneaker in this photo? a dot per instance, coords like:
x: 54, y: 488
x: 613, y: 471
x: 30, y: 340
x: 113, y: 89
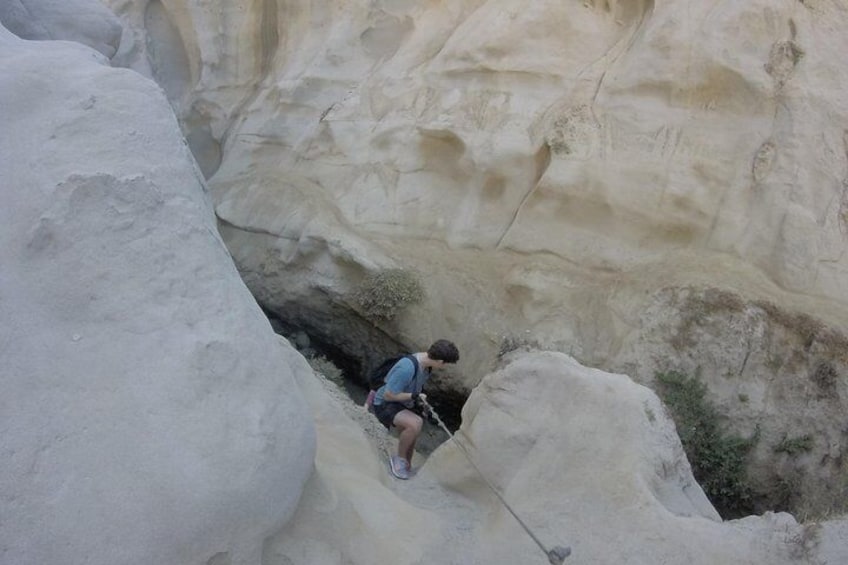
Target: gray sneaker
x: 400, y: 468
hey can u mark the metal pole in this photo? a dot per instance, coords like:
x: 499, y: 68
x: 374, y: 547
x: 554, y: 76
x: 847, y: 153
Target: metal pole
x: 557, y: 554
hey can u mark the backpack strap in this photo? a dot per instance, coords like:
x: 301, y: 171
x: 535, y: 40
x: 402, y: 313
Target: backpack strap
x: 416, y: 365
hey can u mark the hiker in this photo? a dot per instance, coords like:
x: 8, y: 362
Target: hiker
x: 395, y: 402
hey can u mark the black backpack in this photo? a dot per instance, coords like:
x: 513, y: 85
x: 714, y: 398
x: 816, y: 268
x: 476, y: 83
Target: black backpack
x: 377, y: 378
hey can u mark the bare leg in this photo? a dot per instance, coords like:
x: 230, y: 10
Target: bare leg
x: 409, y: 425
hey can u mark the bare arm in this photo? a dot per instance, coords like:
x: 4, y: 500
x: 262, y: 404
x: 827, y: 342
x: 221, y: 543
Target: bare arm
x: 401, y: 396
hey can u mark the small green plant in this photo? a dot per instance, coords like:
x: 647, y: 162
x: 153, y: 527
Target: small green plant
x: 796, y: 445
x: 650, y: 414
x: 511, y: 343
x: 717, y: 459
x: 743, y: 397
x: 385, y: 293
x: 774, y: 363
x: 825, y: 378
x: 324, y: 366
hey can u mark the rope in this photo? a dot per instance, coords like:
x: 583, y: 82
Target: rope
x: 555, y: 555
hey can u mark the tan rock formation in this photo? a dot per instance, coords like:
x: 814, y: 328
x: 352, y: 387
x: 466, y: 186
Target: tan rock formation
x: 586, y: 458
x: 148, y: 414
x: 560, y: 173
x: 555, y: 172
x: 648, y: 186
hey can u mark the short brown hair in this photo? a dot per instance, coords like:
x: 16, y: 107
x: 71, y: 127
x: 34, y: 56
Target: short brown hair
x: 443, y: 350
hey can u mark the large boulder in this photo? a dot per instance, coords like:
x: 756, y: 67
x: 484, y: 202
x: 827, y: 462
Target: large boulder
x: 85, y: 21
x: 592, y: 460
x: 148, y: 413
x: 586, y: 459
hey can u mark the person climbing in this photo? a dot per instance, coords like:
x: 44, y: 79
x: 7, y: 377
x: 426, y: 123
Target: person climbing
x: 395, y: 402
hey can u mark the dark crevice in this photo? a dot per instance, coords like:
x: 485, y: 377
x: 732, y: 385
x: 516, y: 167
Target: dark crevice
x: 354, y: 369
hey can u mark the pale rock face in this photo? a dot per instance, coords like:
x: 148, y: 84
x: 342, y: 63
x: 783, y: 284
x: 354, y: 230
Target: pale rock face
x: 148, y: 413
x: 85, y: 21
x: 554, y: 170
x: 592, y: 460
x: 588, y: 138
x: 209, y: 57
x: 586, y: 459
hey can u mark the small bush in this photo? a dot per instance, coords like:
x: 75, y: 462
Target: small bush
x: 511, y: 343
x: 796, y: 445
x: 825, y: 378
x: 717, y: 459
x: 384, y: 294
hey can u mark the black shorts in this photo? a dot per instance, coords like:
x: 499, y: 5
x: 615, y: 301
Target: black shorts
x: 387, y: 411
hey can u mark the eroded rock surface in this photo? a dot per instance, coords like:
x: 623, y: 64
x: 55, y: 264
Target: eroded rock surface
x: 85, y: 21
x: 553, y: 171
x: 148, y: 413
x: 608, y: 137
x: 587, y: 459
x: 578, y: 176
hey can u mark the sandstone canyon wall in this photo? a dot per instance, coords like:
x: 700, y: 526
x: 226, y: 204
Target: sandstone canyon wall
x: 646, y: 185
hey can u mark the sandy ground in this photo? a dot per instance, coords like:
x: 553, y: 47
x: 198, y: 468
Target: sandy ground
x: 431, y: 436
x: 458, y: 515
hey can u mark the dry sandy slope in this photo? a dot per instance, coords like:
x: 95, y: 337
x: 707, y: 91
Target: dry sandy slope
x: 353, y: 511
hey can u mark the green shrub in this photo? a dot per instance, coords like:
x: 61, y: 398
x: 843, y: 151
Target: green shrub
x: 717, y: 459
x: 825, y: 378
x: 384, y: 294
x: 511, y: 343
x: 796, y: 445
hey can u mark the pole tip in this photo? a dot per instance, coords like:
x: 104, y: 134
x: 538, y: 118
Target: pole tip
x: 558, y: 554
